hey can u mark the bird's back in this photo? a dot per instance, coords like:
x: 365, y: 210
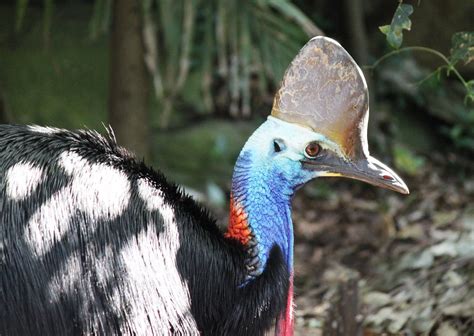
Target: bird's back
x: 93, y: 242
x: 88, y: 239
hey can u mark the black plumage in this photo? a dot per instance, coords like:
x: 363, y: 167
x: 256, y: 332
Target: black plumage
x: 212, y: 265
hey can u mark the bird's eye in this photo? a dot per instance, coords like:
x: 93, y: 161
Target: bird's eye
x: 312, y: 150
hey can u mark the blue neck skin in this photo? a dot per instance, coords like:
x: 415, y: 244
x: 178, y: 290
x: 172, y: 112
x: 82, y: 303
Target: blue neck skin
x: 267, y: 173
x: 265, y: 195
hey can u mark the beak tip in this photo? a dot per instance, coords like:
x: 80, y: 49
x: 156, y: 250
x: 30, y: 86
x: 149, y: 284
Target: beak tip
x: 402, y: 188
x: 398, y: 185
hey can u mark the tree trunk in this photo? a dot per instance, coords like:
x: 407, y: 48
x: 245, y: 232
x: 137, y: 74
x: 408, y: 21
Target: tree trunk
x: 128, y: 91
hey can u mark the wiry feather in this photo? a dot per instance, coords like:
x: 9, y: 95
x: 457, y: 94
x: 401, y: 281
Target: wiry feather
x: 93, y: 242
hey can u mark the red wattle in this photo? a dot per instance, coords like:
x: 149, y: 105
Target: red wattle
x: 286, y: 321
x: 238, y: 224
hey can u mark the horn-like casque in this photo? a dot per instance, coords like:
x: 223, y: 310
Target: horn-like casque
x: 325, y: 90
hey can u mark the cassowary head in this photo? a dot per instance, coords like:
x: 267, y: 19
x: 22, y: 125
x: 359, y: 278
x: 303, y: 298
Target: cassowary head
x: 318, y: 124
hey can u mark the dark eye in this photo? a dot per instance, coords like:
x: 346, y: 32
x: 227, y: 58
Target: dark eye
x: 312, y: 150
x: 278, y: 145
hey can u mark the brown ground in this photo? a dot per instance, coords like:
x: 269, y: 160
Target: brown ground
x: 412, y: 257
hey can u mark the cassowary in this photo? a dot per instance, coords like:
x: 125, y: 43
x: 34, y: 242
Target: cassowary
x: 93, y: 242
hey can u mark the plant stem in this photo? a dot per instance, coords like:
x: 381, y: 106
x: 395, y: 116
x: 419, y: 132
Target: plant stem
x: 424, y: 49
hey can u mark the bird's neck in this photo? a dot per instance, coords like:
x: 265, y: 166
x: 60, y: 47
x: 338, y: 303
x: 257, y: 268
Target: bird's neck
x: 260, y: 213
x: 260, y: 218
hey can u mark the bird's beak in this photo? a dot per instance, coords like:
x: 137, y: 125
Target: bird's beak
x: 369, y: 170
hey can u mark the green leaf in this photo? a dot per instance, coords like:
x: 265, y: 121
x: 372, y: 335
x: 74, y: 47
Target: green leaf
x: 400, y: 21
x: 385, y: 29
x: 462, y: 47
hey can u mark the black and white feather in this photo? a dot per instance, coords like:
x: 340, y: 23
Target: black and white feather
x: 94, y: 242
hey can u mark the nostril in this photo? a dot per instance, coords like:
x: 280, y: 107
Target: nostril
x: 387, y: 177
x: 278, y: 145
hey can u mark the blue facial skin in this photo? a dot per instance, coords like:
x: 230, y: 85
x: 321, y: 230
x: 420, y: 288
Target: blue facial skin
x: 265, y: 180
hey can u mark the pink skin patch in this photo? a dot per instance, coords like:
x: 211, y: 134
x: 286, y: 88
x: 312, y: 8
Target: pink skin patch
x: 285, y: 322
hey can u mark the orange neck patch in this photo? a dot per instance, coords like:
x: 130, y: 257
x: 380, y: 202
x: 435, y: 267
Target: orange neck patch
x: 238, y: 223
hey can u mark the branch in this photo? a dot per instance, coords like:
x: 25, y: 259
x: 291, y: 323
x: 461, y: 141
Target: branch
x: 450, y: 67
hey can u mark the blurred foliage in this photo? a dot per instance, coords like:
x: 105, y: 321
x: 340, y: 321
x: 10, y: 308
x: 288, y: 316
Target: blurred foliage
x: 21, y: 8
x: 64, y: 85
x: 400, y: 21
x: 461, y: 130
x: 101, y: 18
x: 462, y: 50
x: 222, y: 58
x: 231, y: 52
x: 406, y: 161
x: 463, y: 47
x: 212, y: 149
x: 240, y: 48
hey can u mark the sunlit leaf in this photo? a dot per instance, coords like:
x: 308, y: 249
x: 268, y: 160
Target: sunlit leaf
x: 377, y: 299
x: 465, y: 247
x: 400, y: 21
x: 422, y: 325
x: 397, y: 321
x: 454, y: 279
x: 447, y: 329
x: 424, y: 260
x: 421, y: 260
x: 380, y: 317
x: 464, y: 308
x: 445, y: 248
x: 467, y: 219
x: 462, y: 47
x: 385, y: 29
